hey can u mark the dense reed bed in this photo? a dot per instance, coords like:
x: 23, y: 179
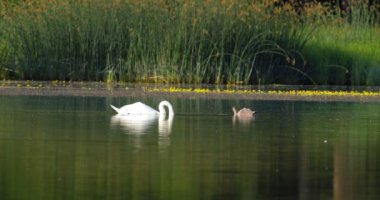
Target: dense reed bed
x: 216, y: 41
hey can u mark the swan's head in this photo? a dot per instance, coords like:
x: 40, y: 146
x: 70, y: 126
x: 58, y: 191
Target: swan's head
x: 162, y: 110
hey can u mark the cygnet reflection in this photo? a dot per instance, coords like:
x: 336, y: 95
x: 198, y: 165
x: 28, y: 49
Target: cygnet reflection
x: 246, y: 120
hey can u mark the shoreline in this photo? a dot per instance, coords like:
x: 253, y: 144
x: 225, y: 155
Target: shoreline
x: 100, y: 89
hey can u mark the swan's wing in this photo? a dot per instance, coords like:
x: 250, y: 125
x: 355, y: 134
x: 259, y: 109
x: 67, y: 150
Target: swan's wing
x: 137, y: 108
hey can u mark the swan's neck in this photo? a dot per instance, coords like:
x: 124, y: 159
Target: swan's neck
x: 161, y: 108
x: 234, y: 110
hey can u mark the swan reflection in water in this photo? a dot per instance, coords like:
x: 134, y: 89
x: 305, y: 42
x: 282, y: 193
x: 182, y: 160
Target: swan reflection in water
x: 139, y: 124
x: 165, y: 124
x: 243, y: 120
x: 134, y: 124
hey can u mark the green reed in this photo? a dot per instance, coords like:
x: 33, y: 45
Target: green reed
x: 220, y: 42
x: 149, y: 41
x: 342, y: 53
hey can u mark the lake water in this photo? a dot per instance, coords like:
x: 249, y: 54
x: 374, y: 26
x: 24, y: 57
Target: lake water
x: 76, y: 148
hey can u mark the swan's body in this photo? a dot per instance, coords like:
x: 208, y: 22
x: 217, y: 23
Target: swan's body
x: 244, y: 112
x: 139, y: 108
x: 137, y: 118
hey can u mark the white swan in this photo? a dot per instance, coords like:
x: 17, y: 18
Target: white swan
x: 139, y: 108
x: 140, y: 124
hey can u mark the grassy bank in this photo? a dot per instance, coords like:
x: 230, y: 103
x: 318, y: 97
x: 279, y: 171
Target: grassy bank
x: 219, y: 42
x: 346, y: 53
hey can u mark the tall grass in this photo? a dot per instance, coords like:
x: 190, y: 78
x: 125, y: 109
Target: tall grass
x: 180, y: 41
x: 155, y: 41
x: 342, y: 53
x: 341, y: 56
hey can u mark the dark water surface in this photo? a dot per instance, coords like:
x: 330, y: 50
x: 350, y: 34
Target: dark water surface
x: 75, y: 148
